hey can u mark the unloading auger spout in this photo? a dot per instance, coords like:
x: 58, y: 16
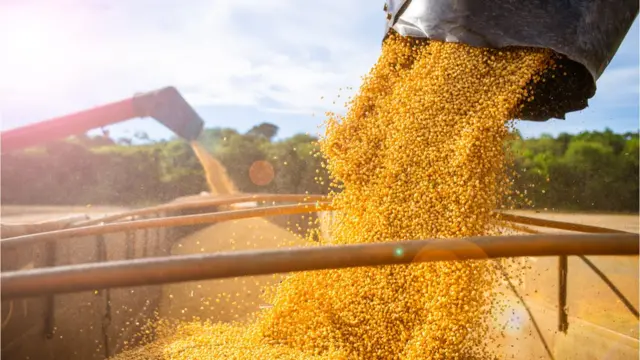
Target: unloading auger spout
x: 585, y: 34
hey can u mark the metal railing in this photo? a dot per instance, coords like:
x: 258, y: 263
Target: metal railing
x: 169, y: 269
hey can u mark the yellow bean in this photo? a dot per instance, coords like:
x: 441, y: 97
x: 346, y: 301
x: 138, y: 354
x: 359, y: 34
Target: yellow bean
x: 419, y: 154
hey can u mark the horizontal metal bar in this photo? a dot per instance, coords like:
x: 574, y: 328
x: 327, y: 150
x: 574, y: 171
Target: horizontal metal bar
x: 304, y: 198
x: 516, y: 227
x: 526, y: 220
x: 196, y: 204
x: 241, y: 214
x: 172, y: 221
x: 13, y: 230
x: 172, y: 269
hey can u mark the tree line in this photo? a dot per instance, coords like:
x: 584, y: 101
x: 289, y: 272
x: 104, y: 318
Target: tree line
x: 595, y: 171
x: 588, y: 171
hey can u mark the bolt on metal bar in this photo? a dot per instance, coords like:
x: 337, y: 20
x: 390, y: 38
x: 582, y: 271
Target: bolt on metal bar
x: 153, y: 271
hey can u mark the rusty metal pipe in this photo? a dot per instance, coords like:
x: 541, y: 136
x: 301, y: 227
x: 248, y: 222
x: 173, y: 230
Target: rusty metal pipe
x: 86, y: 277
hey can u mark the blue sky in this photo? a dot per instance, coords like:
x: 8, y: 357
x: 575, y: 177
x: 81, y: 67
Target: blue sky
x: 238, y: 62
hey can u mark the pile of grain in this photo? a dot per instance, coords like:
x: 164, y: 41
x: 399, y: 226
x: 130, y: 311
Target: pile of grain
x: 419, y: 155
x: 227, y: 299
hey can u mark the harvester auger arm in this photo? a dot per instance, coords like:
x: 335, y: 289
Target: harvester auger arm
x: 165, y: 105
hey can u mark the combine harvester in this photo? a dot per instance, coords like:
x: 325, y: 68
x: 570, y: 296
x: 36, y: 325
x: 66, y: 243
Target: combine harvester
x: 84, y: 289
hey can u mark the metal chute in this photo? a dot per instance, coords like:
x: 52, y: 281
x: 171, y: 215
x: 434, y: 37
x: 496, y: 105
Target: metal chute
x: 585, y: 34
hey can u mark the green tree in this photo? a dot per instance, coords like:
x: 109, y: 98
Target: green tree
x: 595, y: 171
x: 266, y: 130
x: 238, y: 153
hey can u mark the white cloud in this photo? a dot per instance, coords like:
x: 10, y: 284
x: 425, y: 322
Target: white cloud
x: 75, y: 54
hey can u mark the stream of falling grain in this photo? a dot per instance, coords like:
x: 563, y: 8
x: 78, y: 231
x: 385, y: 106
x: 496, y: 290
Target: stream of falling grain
x: 217, y: 178
x: 420, y: 154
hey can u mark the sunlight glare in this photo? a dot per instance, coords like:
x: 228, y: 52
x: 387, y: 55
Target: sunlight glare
x: 37, y: 47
